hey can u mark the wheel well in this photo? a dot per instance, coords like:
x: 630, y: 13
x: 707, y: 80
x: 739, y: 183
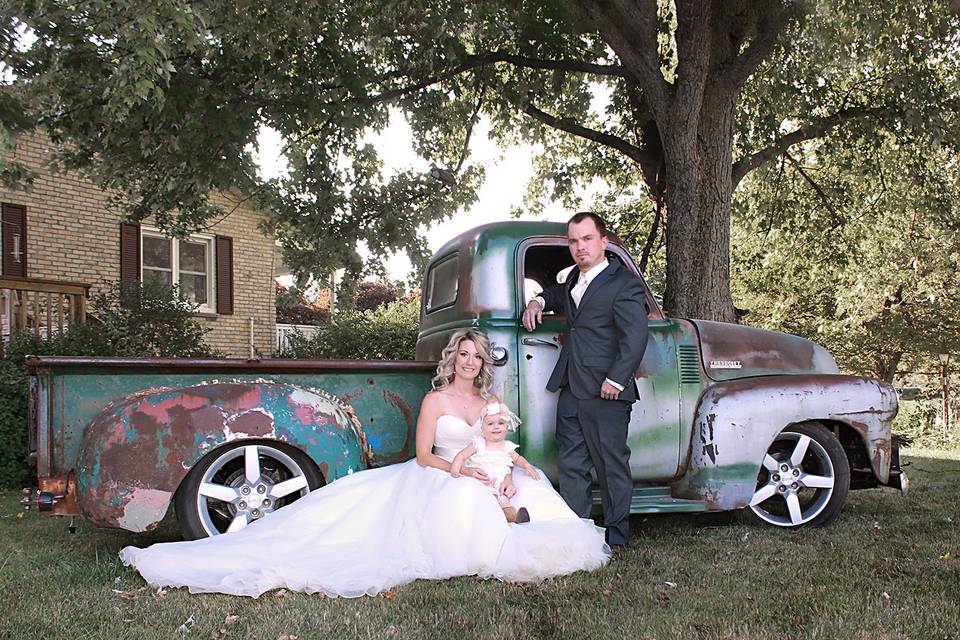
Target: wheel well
x: 861, y: 471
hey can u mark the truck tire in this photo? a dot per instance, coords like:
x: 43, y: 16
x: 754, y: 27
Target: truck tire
x: 241, y: 482
x: 803, y: 481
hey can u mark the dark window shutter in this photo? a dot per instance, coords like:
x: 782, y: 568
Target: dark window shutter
x: 14, y: 219
x: 224, y: 275
x: 129, y: 253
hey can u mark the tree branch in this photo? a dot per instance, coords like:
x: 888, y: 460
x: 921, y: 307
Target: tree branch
x: 636, y: 154
x: 483, y: 60
x: 811, y: 130
x: 769, y: 27
x: 820, y: 192
x: 630, y: 28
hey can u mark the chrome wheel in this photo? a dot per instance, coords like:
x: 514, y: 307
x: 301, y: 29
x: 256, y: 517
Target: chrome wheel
x: 240, y: 484
x: 803, y: 480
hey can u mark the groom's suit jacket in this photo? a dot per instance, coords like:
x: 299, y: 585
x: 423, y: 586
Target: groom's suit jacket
x: 606, y: 334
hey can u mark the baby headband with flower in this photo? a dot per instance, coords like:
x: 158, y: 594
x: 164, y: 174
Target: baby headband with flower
x: 498, y: 408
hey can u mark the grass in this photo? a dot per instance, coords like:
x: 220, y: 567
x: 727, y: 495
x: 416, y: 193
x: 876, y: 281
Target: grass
x: 881, y: 571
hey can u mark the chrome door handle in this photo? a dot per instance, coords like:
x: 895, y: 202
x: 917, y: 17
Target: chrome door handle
x: 533, y: 342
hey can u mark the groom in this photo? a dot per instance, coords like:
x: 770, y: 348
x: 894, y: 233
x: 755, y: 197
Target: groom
x: 606, y: 311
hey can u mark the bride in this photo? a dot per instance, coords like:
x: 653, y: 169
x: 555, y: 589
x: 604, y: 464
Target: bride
x: 376, y: 529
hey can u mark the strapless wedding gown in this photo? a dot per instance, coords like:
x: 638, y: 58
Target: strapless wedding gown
x: 373, y: 530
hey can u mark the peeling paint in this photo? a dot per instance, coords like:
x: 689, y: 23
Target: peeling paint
x: 143, y: 509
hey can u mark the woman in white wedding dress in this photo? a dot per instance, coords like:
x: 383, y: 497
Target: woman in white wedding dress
x: 380, y: 528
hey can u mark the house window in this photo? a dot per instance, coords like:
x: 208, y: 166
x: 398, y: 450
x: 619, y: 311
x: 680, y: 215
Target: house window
x: 188, y: 263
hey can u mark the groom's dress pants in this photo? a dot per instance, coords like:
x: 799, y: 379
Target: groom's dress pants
x: 593, y: 433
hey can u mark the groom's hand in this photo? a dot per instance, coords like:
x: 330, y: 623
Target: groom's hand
x: 608, y: 391
x: 532, y: 315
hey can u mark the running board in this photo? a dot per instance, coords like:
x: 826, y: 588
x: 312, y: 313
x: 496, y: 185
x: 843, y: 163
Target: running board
x: 647, y: 499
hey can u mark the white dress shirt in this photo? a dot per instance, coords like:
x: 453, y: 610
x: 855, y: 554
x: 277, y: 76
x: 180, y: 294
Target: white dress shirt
x: 583, y: 281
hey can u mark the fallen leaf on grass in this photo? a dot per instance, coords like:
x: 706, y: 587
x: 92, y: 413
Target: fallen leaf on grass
x: 184, y: 628
x: 945, y: 556
x: 749, y: 597
x: 20, y: 516
x: 670, y: 584
x: 126, y: 595
x: 220, y: 634
x: 876, y: 525
x: 607, y: 592
x: 231, y: 619
x: 662, y: 595
x: 281, y: 593
x: 885, y: 595
x: 391, y: 631
x: 288, y: 638
x: 388, y: 595
x: 160, y: 593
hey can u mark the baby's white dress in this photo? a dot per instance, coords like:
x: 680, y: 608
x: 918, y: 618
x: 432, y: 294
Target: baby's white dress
x: 496, y: 463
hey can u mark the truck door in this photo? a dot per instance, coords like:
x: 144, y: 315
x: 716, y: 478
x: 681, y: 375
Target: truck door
x: 654, y: 434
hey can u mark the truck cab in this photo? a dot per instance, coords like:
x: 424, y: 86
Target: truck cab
x: 685, y: 454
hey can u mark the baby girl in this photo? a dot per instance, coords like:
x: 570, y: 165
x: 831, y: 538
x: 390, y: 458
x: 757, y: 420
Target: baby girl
x: 496, y: 456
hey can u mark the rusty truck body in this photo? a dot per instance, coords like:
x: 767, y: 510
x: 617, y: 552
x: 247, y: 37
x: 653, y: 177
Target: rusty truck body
x: 729, y: 417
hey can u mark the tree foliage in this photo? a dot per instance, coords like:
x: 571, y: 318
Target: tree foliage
x: 863, y: 257
x: 162, y: 100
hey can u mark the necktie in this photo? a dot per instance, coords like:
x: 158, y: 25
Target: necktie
x: 578, y: 290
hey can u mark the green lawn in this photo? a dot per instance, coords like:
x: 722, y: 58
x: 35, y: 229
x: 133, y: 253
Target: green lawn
x: 888, y: 568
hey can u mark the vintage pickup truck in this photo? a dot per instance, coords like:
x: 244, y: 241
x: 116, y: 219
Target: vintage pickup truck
x: 730, y: 417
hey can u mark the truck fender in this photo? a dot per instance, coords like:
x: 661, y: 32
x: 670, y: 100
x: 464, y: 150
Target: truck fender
x: 136, y: 452
x: 736, y: 422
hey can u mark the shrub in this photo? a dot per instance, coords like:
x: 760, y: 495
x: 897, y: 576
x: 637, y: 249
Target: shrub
x: 385, y: 333
x: 293, y: 308
x: 371, y: 295
x: 921, y: 422
x: 148, y: 320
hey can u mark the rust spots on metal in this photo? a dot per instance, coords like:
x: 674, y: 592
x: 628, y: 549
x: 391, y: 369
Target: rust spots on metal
x: 707, y: 442
x: 137, y: 451
x: 403, y: 407
x: 62, y: 485
x: 366, y: 449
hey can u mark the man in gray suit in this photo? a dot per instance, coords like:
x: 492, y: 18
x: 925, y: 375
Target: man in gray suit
x: 606, y: 311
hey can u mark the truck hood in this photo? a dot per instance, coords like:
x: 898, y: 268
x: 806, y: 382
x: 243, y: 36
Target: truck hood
x: 733, y: 351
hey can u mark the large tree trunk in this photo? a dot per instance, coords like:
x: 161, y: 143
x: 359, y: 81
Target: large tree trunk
x: 699, y: 189
x: 718, y: 45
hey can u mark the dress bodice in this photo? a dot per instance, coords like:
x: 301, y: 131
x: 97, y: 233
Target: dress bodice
x: 452, y: 435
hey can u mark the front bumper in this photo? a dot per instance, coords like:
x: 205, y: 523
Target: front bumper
x: 898, y: 477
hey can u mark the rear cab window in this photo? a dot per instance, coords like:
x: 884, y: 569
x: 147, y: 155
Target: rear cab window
x: 442, y: 284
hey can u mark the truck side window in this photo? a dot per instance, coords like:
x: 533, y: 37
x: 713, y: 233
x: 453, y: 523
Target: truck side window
x: 442, y: 283
x: 541, y: 264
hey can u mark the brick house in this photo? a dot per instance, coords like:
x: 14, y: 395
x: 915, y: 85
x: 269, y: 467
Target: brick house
x: 60, y: 232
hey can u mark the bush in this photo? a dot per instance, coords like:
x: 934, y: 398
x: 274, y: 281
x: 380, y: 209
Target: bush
x: 148, y: 320
x: 385, y: 333
x: 293, y: 308
x: 921, y: 422
x: 371, y: 295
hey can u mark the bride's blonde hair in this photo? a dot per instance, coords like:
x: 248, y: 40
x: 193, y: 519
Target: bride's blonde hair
x: 484, y: 379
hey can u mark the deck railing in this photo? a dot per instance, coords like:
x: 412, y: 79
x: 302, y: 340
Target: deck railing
x: 43, y: 307
x: 284, y: 331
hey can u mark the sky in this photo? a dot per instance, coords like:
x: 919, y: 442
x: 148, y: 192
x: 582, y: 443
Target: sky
x: 507, y: 172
